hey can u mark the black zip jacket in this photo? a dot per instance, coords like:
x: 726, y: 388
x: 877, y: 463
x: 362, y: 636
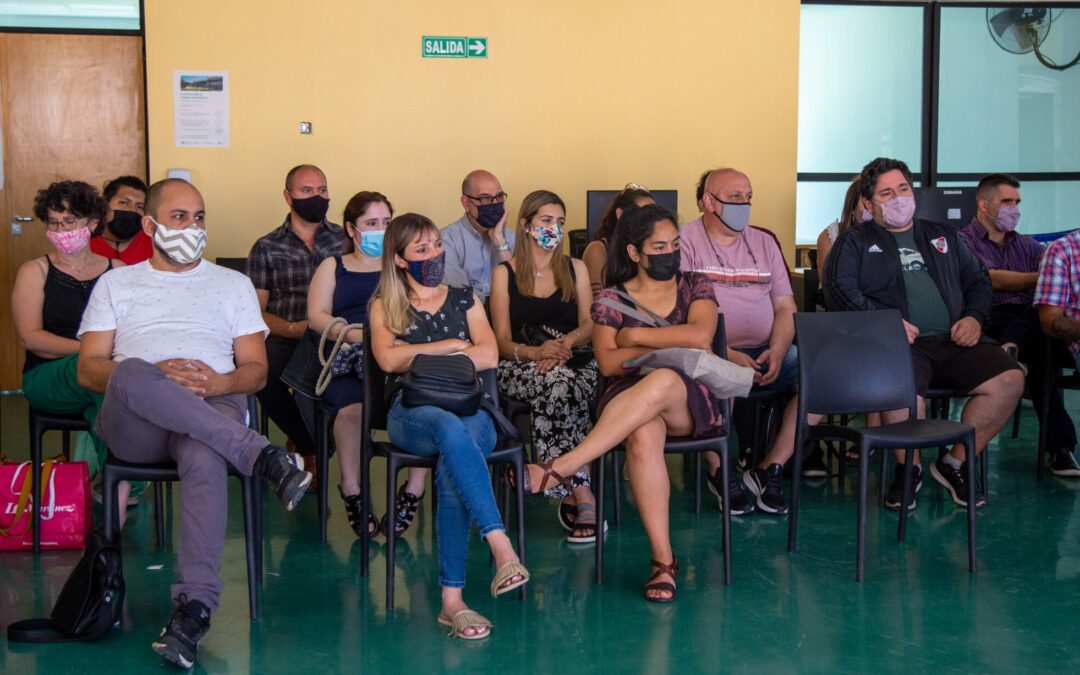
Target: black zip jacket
x: 862, y: 271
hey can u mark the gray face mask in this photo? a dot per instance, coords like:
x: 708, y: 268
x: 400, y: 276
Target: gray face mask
x: 736, y: 216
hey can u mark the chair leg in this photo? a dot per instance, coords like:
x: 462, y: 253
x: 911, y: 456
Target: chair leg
x: 970, y: 443
x: 884, y: 452
x: 796, y: 486
x: 257, y: 493
x: 248, y: 488
x: 36, y: 433
x: 725, y: 498
x: 322, y: 461
x: 599, y: 484
x: 391, y: 535
x: 697, y: 482
x: 67, y: 444
x: 616, y: 484
x: 864, y: 478
x: 159, y: 511
x: 365, y: 509
x: 519, y: 496
x: 901, y: 530
x: 110, y: 514
x: 1016, y: 418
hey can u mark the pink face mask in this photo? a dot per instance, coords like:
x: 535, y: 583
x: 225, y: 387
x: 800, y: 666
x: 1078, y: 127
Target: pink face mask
x: 897, y: 212
x: 69, y: 241
x: 865, y: 216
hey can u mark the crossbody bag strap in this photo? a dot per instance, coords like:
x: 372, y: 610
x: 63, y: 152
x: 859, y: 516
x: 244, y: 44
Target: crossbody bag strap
x: 325, y: 375
x: 646, y: 316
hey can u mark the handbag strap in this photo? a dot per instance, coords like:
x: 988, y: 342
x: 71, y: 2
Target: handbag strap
x: 24, y: 499
x: 325, y: 375
x: 37, y: 630
x: 647, y: 317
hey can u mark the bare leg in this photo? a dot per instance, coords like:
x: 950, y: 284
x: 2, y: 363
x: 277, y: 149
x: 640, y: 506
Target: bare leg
x: 348, y: 435
x: 989, y: 408
x: 652, y: 489
x: 784, y: 445
x: 415, y: 483
x: 894, y: 416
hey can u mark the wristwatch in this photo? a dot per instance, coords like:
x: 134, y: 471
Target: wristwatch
x: 505, y: 246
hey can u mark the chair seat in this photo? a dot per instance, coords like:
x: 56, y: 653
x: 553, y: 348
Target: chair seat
x: 684, y: 444
x: 58, y: 421
x: 915, y: 433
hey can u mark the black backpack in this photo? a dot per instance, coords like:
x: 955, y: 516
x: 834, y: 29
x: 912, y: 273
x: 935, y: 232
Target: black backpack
x: 89, y: 603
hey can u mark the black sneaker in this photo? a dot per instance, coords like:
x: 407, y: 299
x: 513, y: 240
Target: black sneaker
x: 813, y: 465
x: 955, y: 481
x: 766, y: 485
x: 1064, y: 464
x: 179, y: 640
x: 740, y: 503
x: 742, y: 462
x: 281, y: 474
x: 895, y: 494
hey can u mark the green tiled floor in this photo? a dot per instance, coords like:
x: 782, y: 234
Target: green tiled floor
x: 919, y: 609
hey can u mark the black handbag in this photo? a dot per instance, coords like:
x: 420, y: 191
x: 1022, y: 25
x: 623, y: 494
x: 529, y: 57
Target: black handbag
x: 89, y: 603
x: 449, y: 382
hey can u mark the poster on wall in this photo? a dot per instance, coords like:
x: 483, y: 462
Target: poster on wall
x: 201, y: 108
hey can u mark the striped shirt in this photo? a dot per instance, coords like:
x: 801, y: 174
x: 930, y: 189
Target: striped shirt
x: 1020, y: 254
x: 1059, y: 279
x: 281, y: 263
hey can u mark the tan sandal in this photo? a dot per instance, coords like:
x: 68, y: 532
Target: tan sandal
x: 502, y: 584
x: 465, y: 619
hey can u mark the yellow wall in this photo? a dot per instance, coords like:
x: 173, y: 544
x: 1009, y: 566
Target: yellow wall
x: 575, y: 95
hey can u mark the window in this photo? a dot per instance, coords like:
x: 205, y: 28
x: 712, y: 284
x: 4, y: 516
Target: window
x: 91, y: 15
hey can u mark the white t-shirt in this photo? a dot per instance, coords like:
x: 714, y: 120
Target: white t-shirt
x: 168, y: 315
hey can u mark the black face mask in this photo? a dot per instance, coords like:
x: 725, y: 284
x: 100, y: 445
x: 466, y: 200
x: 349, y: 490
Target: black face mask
x: 125, y: 224
x: 663, y: 266
x: 312, y: 209
x: 489, y: 215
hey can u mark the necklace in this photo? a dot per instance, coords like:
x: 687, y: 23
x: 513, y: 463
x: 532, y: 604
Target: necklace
x: 77, y: 269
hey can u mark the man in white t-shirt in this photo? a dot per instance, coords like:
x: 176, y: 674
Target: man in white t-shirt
x: 176, y: 345
x: 753, y: 292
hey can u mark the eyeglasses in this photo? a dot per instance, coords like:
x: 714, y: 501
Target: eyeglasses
x: 635, y: 186
x: 489, y: 199
x: 68, y: 223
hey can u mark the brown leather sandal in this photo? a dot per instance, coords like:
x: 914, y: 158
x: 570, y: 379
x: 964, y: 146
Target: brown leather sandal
x: 671, y: 570
x: 549, y: 473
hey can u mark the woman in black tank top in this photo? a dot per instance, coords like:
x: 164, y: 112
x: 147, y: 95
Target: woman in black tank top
x: 48, y: 300
x: 540, y: 311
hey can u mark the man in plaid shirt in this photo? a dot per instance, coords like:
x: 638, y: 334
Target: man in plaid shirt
x: 1057, y: 295
x: 1013, y: 262
x: 280, y: 266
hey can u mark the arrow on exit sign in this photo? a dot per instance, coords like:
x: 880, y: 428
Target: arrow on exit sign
x: 478, y: 48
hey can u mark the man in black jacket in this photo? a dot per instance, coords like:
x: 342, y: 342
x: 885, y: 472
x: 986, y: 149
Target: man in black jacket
x: 943, y: 292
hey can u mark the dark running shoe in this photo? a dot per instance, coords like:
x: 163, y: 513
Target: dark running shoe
x: 1064, y: 464
x: 742, y: 462
x: 766, y: 485
x: 955, y: 481
x: 179, y: 641
x: 280, y: 473
x: 895, y: 493
x: 740, y: 503
x: 813, y: 465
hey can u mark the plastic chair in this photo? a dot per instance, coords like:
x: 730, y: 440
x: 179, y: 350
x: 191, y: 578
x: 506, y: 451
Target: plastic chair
x: 1054, y: 378
x: 938, y: 407
x: 884, y: 380
x: 40, y: 422
x: 673, y: 445
x: 324, y: 425
x: 510, y: 452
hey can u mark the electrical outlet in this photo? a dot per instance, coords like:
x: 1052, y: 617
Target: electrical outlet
x: 305, y: 127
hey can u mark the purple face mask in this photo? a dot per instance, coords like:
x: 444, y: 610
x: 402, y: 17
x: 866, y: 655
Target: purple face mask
x: 428, y: 272
x: 1007, y: 218
x: 897, y: 212
x: 865, y: 216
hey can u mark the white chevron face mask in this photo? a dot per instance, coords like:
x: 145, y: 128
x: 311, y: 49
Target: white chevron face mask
x: 184, y: 246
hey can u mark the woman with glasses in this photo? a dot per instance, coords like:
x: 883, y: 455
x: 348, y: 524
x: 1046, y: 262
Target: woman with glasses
x: 47, y: 302
x: 122, y: 237
x: 540, y: 311
x: 595, y: 255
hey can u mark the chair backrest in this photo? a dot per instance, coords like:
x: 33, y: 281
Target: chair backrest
x: 854, y: 362
x: 373, y: 414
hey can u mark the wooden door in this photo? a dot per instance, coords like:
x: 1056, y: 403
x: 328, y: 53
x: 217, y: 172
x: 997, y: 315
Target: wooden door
x: 72, y: 108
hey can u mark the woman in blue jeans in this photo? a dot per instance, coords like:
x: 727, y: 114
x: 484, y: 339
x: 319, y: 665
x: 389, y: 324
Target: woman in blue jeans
x: 413, y: 312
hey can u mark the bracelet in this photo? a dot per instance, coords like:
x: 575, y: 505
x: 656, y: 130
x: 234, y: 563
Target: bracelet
x: 516, y: 348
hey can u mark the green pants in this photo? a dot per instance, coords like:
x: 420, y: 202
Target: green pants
x: 52, y: 387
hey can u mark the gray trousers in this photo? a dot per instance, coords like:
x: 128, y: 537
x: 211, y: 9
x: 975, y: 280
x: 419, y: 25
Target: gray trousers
x: 147, y: 418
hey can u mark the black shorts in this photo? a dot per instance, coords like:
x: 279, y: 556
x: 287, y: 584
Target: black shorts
x: 942, y: 364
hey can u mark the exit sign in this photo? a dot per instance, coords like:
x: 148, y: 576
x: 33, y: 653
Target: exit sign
x: 441, y: 47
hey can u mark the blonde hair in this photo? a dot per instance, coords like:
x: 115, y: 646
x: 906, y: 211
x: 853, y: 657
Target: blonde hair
x: 393, y: 288
x: 524, y: 268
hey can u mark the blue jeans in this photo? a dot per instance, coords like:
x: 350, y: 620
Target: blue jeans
x: 463, y: 445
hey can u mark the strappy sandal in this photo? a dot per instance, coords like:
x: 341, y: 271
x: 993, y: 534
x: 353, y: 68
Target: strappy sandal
x: 662, y: 568
x: 567, y: 514
x: 354, y: 511
x: 404, y: 511
x: 465, y: 619
x: 526, y: 482
x: 502, y: 582
x: 586, y: 522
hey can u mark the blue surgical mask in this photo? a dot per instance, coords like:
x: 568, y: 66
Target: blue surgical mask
x: 371, y: 242
x: 735, y: 216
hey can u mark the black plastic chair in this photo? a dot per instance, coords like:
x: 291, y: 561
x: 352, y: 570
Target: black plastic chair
x: 510, y: 452
x: 673, y: 445
x: 324, y: 425
x: 40, y: 422
x: 884, y: 380
x: 1054, y: 378
x: 115, y: 470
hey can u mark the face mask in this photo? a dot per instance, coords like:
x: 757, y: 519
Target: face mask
x: 312, y: 209
x: 183, y: 247
x: 549, y: 238
x: 1007, y: 218
x: 489, y: 215
x: 125, y: 224
x: 428, y: 272
x: 897, y: 212
x: 371, y: 242
x: 69, y: 242
x: 866, y: 216
x: 736, y: 216
x: 663, y: 266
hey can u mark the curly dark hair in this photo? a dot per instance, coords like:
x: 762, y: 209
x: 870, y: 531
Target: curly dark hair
x: 80, y: 198
x: 871, y: 172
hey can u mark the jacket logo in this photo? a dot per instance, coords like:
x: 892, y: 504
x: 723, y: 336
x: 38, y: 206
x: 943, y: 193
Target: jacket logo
x: 874, y: 248
x: 940, y: 244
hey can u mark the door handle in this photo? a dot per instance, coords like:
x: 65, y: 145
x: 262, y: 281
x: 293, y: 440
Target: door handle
x: 16, y: 223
